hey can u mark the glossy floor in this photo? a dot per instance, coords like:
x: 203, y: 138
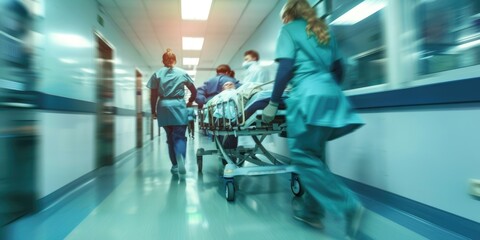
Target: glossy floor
x: 140, y: 199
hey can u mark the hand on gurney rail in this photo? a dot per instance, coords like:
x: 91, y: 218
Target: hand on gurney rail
x: 269, y: 112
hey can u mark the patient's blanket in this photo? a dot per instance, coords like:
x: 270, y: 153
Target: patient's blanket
x: 226, y: 103
x: 223, y: 104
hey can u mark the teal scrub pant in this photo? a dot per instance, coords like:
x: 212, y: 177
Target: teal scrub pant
x: 323, y: 190
x: 177, y: 142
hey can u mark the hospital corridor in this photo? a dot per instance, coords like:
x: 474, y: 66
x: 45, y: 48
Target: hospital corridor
x: 140, y: 199
x: 239, y: 119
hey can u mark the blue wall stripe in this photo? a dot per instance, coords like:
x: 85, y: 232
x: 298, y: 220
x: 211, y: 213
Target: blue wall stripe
x: 418, y: 212
x: 64, y: 104
x: 461, y: 91
x: 58, y: 103
x: 125, y: 112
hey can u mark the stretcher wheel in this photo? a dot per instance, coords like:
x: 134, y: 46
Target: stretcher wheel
x: 296, y: 186
x: 200, y: 163
x: 229, y: 191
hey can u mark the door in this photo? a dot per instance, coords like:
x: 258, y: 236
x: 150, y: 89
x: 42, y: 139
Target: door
x: 138, y: 107
x: 105, y: 109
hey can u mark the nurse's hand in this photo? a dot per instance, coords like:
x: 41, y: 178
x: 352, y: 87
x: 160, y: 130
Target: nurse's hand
x: 154, y: 115
x: 269, y: 112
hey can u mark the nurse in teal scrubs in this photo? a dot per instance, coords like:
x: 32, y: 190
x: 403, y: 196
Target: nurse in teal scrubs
x: 317, y: 112
x: 168, y: 106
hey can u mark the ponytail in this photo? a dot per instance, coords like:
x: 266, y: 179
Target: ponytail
x: 169, y: 58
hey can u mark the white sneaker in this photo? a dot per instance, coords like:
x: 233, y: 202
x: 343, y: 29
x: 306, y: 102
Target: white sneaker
x: 174, y: 169
x: 181, y: 165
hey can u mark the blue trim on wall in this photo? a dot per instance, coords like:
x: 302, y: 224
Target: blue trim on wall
x: 125, y: 112
x: 58, y: 103
x: 461, y: 91
x: 428, y: 221
x: 64, y: 104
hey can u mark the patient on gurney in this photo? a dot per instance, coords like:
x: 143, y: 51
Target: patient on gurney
x: 254, y: 96
x: 227, y: 109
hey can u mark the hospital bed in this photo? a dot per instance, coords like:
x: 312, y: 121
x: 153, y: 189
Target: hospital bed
x: 237, y: 117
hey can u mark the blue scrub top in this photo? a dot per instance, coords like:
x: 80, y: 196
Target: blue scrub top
x: 315, y: 98
x: 171, y: 106
x: 212, y: 87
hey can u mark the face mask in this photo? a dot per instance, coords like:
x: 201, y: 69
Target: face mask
x: 247, y: 64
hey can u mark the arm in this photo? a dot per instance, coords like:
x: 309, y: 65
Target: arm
x: 337, y: 71
x: 153, y: 85
x: 153, y: 102
x: 284, y: 74
x: 193, y: 92
x: 201, y: 97
x: 237, y: 83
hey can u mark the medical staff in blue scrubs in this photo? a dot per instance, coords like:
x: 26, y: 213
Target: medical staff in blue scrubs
x: 168, y: 106
x: 317, y: 112
x: 214, y: 85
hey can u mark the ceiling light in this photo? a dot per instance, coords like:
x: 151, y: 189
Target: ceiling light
x: 70, y: 40
x: 192, y: 43
x: 360, y: 12
x: 191, y: 61
x: 196, y: 9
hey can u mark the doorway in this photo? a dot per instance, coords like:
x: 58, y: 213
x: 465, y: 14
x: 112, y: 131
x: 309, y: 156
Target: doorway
x: 138, y: 107
x: 105, y: 107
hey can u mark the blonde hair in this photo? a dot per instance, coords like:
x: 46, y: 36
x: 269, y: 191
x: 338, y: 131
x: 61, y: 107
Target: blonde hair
x: 169, y: 58
x: 295, y: 9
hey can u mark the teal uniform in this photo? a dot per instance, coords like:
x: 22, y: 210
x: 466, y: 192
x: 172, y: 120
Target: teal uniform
x: 317, y: 112
x: 172, y: 110
x: 315, y: 98
x: 171, y: 107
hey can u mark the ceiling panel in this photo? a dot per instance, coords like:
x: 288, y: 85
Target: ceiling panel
x: 154, y: 25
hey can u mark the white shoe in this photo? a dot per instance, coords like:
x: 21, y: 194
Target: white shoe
x: 181, y: 165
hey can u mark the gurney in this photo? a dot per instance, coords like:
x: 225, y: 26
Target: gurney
x: 237, y: 117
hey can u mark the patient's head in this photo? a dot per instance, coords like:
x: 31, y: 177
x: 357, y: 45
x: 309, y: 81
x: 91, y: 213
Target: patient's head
x: 228, y: 85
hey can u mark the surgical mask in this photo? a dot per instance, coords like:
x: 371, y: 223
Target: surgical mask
x: 247, y: 64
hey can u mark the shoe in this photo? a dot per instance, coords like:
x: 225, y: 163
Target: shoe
x: 314, y: 222
x: 181, y: 165
x: 174, y: 169
x: 353, y: 221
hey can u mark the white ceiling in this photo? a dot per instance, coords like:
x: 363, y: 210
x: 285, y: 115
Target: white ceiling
x: 155, y: 25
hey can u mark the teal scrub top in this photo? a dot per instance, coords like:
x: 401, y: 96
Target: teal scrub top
x: 315, y: 98
x: 171, y: 106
